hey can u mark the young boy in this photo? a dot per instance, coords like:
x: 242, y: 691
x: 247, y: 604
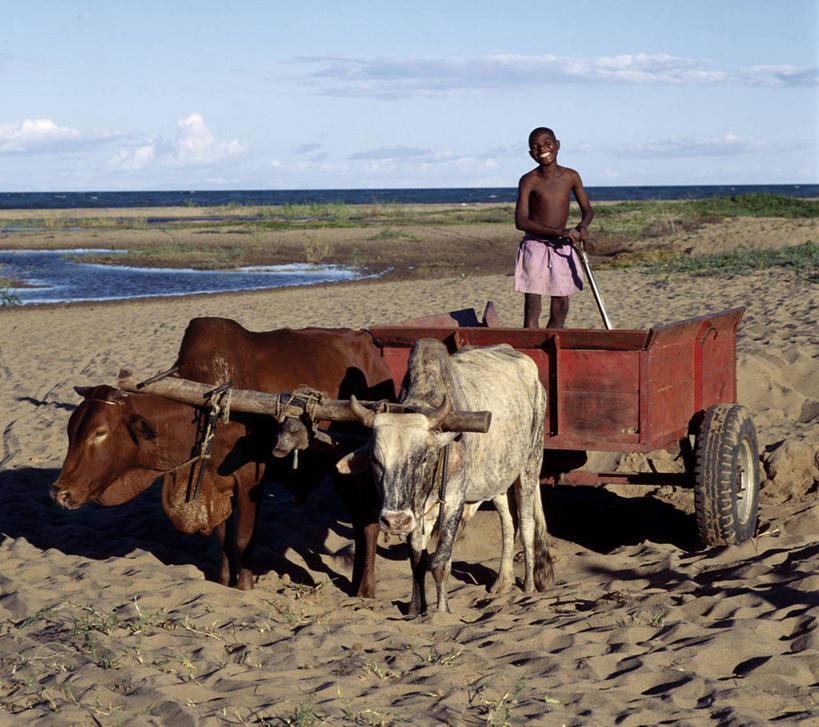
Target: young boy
x: 547, y: 264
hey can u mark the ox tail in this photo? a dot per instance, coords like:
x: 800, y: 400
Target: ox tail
x: 544, y: 563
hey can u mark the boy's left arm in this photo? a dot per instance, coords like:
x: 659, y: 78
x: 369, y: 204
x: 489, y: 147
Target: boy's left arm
x: 585, y: 209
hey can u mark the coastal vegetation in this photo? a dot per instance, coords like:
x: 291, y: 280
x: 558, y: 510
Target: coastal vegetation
x: 802, y: 259
x: 624, y: 222
x: 640, y: 216
x: 7, y: 295
x: 418, y: 240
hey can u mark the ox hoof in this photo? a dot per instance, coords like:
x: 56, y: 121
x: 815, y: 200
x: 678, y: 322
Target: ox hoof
x: 245, y: 583
x: 363, y: 592
x: 501, y: 586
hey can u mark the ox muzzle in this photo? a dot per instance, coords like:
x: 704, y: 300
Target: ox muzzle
x: 397, y: 522
x: 62, y: 497
x: 292, y: 434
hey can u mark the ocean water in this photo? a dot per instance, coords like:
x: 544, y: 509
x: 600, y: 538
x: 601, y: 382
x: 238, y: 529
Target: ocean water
x: 463, y: 195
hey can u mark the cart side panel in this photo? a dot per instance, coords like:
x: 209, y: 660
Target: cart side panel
x: 715, y: 356
x: 597, y: 417
x: 690, y: 366
x: 599, y: 371
x: 723, y: 320
x: 598, y: 394
x: 545, y: 360
x: 670, y: 409
x: 671, y: 364
x: 667, y: 391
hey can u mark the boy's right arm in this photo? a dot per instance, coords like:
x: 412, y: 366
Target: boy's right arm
x: 522, y: 205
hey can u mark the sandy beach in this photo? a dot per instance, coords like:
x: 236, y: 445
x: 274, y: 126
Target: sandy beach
x: 108, y: 616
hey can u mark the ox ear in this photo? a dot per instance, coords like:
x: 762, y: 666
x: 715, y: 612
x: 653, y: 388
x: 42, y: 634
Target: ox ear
x: 116, y: 395
x: 357, y: 461
x: 84, y: 391
x: 455, y: 458
x: 140, y: 428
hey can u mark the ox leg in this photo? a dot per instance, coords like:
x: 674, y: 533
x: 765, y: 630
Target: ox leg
x: 524, y: 495
x: 248, y: 502
x: 532, y: 523
x: 224, y: 568
x: 365, y: 527
x: 441, y: 562
x: 363, y: 504
x: 419, y: 559
x: 366, y: 543
x: 544, y: 565
x: 506, y: 576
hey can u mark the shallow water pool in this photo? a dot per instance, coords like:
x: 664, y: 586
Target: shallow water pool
x: 58, y: 279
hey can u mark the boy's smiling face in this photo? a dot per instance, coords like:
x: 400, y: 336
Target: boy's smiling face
x: 543, y: 147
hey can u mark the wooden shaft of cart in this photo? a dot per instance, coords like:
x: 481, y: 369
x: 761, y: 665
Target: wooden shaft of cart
x: 598, y: 299
x: 257, y: 402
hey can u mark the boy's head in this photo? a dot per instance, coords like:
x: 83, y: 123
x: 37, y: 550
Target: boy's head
x: 543, y: 145
x: 541, y: 130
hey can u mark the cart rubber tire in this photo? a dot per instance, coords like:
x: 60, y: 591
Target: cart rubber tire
x: 726, y: 476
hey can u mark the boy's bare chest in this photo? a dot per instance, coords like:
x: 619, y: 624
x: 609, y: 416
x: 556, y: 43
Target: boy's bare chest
x: 550, y: 194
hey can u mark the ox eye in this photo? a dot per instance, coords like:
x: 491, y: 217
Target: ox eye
x: 100, y: 434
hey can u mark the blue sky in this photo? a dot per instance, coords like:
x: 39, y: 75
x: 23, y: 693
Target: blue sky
x: 177, y: 94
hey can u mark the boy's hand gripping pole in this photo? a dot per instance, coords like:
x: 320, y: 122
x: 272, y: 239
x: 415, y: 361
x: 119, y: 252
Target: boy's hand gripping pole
x: 585, y: 261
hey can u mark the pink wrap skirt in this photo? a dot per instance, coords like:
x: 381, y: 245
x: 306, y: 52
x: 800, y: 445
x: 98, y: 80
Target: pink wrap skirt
x: 547, y: 266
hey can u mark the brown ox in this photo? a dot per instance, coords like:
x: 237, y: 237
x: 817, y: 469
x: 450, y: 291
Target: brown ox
x: 339, y: 362
x: 120, y: 443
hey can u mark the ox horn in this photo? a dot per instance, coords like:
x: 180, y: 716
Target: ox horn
x: 437, y: 416
x: 366, y: 416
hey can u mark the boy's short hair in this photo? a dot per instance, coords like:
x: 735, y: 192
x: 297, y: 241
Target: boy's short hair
x: 542, y: 130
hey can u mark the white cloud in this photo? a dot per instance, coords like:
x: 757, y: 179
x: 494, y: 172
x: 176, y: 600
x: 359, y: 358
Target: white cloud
x: 195, y: 144
x: 307, y: 148
x: 35, y: 135
x: 384, y: 77
x: 778, y: 76
x: 396, y: 152
x: 728, y: 145
x: 133, y: 159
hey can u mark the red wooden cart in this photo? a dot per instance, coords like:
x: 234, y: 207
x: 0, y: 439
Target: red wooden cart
x: 632, y: 391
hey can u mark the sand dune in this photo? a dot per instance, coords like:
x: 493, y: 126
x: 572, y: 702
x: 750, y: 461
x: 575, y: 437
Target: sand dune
x: 107, y: 616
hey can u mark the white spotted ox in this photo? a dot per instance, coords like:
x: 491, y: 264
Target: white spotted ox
x: 405, y: 451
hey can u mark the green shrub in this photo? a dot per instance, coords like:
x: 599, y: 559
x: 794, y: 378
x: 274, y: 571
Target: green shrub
x: 803, y: 259
x: 7, y: 296
x: 758, y: 204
